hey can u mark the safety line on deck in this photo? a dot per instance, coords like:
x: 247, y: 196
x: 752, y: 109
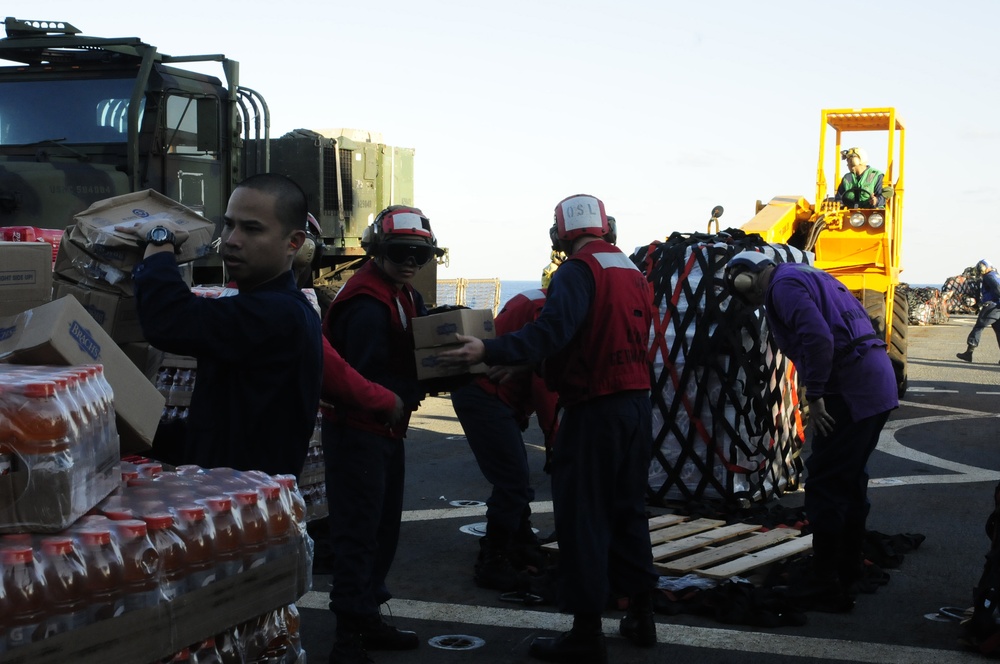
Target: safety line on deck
x: 682, y: 635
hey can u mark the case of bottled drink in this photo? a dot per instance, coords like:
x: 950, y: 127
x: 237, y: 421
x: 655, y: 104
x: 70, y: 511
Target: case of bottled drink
x: 59, y: 445
x: 165, y: 534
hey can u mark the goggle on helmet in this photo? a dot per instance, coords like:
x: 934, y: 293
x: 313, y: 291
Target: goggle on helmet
x: 742, y: 270
x: 400, y: 232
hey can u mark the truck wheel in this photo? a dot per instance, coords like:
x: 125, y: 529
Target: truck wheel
x: 897, y: 342
x: 874, y: 302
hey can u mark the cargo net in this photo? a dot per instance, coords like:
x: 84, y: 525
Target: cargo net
x: 925, y: 306
x: 726, y: 423
x: 961, y: 293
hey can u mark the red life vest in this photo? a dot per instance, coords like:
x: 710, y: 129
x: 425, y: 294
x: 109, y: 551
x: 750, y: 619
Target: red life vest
x: 610, y: 350
x: 524, y: 392
x: 370, y: 280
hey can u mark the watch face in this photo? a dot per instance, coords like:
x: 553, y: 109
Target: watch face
x: 159, y: 234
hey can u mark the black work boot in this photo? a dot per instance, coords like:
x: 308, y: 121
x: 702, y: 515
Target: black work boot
x: 494, y: 569
x: 851, y: 563
x: 584, y: 644
x: 376, y: 634
x: 348, y: 647
x: 967, y: 355
x: 823, y: 589
x: 638, y: 625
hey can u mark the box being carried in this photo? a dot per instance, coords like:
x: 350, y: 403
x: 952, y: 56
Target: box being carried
x: 440, y: 329
x: 435, y: 333
x: 97, y: 226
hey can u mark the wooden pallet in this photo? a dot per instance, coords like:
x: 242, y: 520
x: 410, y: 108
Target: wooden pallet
x: 710, y: 548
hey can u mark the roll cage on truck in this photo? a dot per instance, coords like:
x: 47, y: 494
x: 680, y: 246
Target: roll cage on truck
x: 87, y: 118
x: 860, y: 247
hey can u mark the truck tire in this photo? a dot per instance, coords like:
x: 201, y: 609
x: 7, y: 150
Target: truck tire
x: 897, y: 342
x: 874, y: 302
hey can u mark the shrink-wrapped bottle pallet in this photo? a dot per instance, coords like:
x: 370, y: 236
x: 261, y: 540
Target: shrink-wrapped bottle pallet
x: 726, y: 424
x: 200, y: 560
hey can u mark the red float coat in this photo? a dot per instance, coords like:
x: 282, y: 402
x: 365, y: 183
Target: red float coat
x: 610, y: 350
x: 370, y: 281
x: 525, y: 392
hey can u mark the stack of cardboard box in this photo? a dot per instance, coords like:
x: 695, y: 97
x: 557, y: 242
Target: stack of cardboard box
x: 95, y: 262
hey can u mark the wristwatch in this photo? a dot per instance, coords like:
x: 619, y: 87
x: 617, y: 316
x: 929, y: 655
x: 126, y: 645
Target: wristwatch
x: 159, y: 236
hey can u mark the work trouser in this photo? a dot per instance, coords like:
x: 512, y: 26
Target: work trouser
x: 364, y: 488
x: 494, y: 436
x: 989, y: 316
x: 600, y: 471
x: 836, y: 493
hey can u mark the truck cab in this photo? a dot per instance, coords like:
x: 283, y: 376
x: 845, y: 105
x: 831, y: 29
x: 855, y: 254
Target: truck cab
x: 84, y: 118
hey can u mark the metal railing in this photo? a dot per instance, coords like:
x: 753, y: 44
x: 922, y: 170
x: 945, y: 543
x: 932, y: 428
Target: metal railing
x: 472, y: 293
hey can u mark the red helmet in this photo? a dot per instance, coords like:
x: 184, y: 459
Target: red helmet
x: 399, y: 224
x: 580, y: 215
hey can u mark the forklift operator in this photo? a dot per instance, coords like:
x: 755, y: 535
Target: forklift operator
x: 861, y: 186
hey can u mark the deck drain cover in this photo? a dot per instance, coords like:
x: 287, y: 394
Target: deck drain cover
x: 477, y: 529
x: 467, y: 503
x: 456, y: 642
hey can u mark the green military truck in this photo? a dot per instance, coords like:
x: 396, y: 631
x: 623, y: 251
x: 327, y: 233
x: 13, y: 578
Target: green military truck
x: 86, y: 118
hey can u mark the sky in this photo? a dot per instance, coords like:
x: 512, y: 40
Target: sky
x: 662, y: 109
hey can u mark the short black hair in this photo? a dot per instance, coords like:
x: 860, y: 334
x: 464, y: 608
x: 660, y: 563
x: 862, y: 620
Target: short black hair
x: 289, y: 200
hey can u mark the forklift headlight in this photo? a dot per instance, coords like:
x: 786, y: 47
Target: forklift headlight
x: 876, y: 220
x: 857, y: 220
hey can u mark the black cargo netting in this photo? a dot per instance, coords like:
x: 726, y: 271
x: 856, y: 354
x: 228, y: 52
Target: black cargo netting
x: 961, y: 293
x: 726, y: 423
x: 925, y: 306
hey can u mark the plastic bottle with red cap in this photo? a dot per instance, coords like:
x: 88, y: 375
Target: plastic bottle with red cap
x: 228, y: 536
x: 141, y: 565
x: 254, y: 523
x: 173, y: 556
x: 66, y: 585
x: 24, y: 585
x: 279, y: 521
x: 198, y: 533
x: 105, y: 572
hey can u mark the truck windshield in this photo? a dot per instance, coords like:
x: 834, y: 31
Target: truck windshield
x: 67, y: 111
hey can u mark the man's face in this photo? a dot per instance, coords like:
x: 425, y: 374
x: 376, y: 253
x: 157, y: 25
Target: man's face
x: 854, y: 163
x: 402, y: 261
x: 255, y: 247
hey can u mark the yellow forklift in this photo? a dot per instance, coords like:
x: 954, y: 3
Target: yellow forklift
x: 859, y: 246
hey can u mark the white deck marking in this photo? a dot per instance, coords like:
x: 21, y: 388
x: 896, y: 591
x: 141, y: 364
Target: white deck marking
x: 667, y: 634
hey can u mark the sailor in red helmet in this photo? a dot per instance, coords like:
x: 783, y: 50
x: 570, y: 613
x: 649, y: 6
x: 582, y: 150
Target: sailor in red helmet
x: 369, y: 324
x: 494, y: 410
x: 593, y: 335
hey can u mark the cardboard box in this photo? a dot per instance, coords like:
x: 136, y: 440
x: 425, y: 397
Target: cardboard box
x: 428, y: 367
x: 25, y: 276
x: 74, y: 263
x: 97, y: 226
x: 62, y: 332
x: 117, y: 314
x: 440, y: 329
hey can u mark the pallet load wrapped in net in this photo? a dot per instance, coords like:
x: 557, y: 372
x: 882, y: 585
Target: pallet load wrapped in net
x: 926, y: 306
x: 726, y: 423
x: 962, y: 292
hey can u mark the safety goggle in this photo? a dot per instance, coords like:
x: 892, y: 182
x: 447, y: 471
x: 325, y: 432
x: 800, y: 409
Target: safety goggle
x: 401, y: 254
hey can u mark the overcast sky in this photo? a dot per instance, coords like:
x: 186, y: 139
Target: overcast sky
x: 662, y: 109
